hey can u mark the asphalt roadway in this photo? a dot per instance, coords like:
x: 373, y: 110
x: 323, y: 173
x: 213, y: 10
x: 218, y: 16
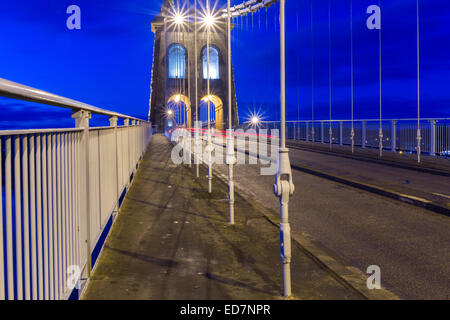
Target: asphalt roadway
x: 411, y: 245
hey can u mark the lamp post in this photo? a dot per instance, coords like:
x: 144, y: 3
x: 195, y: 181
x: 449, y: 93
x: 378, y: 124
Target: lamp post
x: 197, y: 169
x: 231, y: 159
x: 209, y: 21
x: 283, y: 187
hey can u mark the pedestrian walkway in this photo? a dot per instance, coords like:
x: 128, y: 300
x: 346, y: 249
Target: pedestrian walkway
x: 172, y: 240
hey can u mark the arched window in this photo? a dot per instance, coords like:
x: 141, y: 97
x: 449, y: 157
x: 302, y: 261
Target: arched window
x: 213, y: 63
x: 177, y: 61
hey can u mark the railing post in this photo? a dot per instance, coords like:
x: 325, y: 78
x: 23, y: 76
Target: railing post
x: 341, y: 133
x: 364, y: 134
x: 82, y: 121
x: 133, y: 124
x: 113, y: 123
x: 394, y: 136
x: 307, y: 131
x: 433, y: 137
x: 126, y: 123
x: 322, y: 132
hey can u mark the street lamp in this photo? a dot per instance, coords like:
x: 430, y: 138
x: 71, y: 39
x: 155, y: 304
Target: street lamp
x: 255, y: 120
x: 208, y: 21
x: 178, y: 19
x: 231, y: 159
x: 283, y: 186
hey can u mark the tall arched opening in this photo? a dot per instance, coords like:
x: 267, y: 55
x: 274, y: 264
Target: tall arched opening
x: 216, y: 114
x: 181, y: 106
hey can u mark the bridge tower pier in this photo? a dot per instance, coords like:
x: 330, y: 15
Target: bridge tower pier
x: 168, y: 83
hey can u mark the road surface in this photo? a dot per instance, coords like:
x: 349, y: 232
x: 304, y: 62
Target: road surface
x: 411, y: 245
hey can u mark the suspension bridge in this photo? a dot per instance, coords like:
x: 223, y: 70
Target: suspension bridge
x: 177, y: 206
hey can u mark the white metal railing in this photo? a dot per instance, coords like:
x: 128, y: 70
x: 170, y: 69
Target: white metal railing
x: 398, y: 134
x: 60, y: 188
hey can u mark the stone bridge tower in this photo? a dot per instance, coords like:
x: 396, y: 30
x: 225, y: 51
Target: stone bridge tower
x: 174, y: 80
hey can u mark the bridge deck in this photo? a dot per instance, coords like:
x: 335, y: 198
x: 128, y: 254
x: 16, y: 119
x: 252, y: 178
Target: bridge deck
x: 171, y: 240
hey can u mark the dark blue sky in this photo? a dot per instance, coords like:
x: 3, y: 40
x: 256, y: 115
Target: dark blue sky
x: 108, y: 62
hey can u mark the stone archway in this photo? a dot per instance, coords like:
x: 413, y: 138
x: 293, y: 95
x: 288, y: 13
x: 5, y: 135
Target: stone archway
x: 177, y: 98
x: 218, y: 109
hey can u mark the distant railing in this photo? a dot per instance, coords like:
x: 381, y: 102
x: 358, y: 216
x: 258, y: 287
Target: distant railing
x: 398, y: 134
x: 61, y: 189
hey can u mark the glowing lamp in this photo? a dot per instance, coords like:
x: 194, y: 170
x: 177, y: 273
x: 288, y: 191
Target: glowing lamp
x: 179, y: 19
x: 255, y: 120
x: 209, y: 20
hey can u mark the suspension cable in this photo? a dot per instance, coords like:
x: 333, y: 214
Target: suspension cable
x: 352, y: 133
x: 312, y: 72
x: 330, y: 133
x: 298, y: 65
x: 419, y: 138
x: 381, y: 100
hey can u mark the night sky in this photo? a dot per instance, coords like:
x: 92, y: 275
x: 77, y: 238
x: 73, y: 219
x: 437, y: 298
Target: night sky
x: 108, y: 62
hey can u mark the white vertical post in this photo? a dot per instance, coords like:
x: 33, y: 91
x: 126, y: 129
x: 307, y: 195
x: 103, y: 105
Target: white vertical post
x: 433, y: 137
x: 133, y: 145
x: 73, y: 199
x: 307, y: 131
x: 209, y: 147
x: 18, y: 205
x: 76, y: 187
x: 231, y: 159
x: 34, y: 293
x: 39, y: 216
x: 9, y: 223
x: 69, y: 202
x: 196, y: 134
x: 322, y: 132
x: 394, y: 136
x: 51, y: 210
x: 364, y: 134
x: 26, y: 219
x: 341, y: 133
x: 283, y: 186
x: 82, y: 121
x: 64, y: 206
x: 58, y: 213
x: 113, y: 123
x: 2, y: 254
x: 126, y: 123
x: 45, y: 267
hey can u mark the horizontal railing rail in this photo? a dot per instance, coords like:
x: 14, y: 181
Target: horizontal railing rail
x: 61, y: 190
x: 396, y: 134
x: 18, y: 91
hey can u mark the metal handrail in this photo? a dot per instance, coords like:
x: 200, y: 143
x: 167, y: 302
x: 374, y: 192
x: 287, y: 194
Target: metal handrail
x: 37, y: 131
x: 18, y: 91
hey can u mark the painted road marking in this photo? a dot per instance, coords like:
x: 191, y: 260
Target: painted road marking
x: 441, y: 195
x: 415, y: 198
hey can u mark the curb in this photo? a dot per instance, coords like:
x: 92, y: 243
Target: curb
x: 348, y: 276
